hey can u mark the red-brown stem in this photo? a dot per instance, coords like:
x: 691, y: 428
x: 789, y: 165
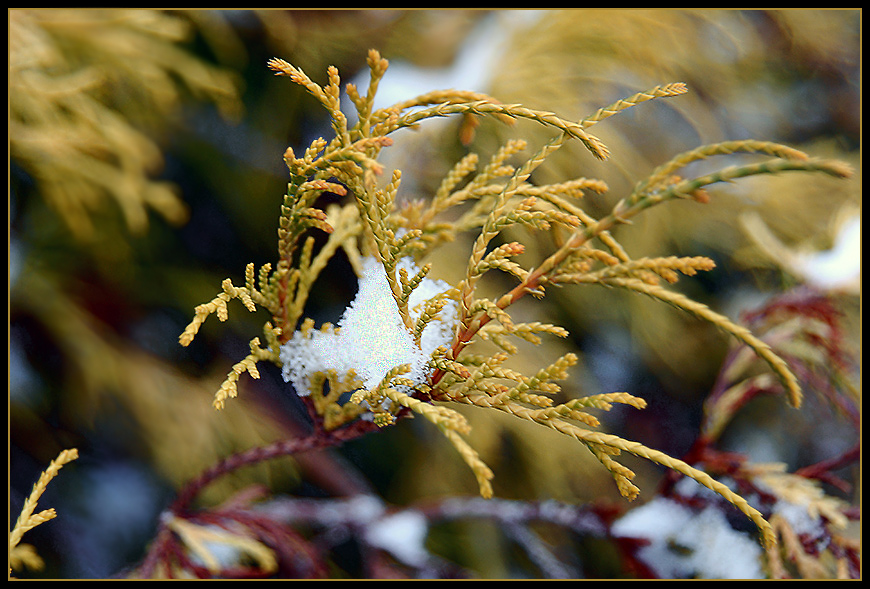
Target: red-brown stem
x: 620, y: 214
x: 822, y: 471
x: 320, y: 439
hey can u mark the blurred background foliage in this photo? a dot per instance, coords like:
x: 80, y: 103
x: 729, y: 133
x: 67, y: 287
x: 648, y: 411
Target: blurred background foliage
x: 146, y: 166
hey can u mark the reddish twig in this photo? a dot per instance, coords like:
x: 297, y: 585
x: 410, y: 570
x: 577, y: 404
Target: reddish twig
x: 320, y: 439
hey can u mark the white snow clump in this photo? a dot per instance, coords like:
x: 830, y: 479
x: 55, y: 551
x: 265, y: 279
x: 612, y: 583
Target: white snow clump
x: 684, y: 543
x: 371, y: 338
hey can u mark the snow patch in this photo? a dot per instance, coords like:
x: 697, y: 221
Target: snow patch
x: 371, y: 337
x: 403, y: 535
x: 685, y: 543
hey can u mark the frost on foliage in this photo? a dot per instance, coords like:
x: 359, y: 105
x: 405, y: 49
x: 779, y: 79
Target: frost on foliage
x: 684, y: 543
x: 371, y: 337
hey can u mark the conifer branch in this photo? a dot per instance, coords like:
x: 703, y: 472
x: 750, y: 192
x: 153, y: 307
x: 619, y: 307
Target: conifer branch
x: 27, y: 519
x: 680, y: 301
x: 380, y: 236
